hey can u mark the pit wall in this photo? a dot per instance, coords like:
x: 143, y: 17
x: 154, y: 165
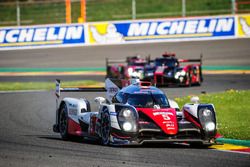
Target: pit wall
x: 125, y: 32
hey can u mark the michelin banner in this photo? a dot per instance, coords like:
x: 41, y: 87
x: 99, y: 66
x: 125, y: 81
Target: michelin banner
x: 42, y: 36
x: 121, y: 32
x: 243, y: 26
x: 167, y: 29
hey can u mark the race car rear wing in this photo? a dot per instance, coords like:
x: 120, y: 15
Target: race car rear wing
x: 59, y: 89
x: 191, y: 60
x: 112, y: 61
x: 120, y: 61
x: 112, y: 86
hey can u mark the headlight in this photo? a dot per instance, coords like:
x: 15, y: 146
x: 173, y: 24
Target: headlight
x: 177, y: 75
x: 206, y: 113
x: 207, y: 119
x: 210, y: 126
x: 127, y: 126
x: 183, y: 73
x: 127, y: 118
x: 130, y: 71
x: 150, y: 74
x: 126, y: 113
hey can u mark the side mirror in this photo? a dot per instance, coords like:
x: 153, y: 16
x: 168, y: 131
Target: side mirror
x: 173, y: 104
x: 100, y: 100
x: 195, y: 99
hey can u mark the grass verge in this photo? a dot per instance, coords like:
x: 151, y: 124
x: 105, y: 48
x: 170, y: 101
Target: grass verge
x: 232, y: 111
x: 12, y: 86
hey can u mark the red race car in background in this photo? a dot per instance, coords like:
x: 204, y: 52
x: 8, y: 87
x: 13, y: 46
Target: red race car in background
x: 168, y: 70
x: 132, y: 67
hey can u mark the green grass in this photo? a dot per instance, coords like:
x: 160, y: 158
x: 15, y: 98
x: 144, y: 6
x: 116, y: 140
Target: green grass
x: 104, y: 10
x: 232, y: 110
x: 13, y: 86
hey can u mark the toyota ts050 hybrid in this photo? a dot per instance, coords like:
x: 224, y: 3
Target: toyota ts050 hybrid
x: 135, y: 114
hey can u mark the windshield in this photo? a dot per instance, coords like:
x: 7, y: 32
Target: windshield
x: 166, y: 62
x: 148, y: 100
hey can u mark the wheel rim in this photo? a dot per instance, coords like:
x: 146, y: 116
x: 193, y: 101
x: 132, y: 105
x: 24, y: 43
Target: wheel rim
x: 63, y: 122
x: 105, y: 128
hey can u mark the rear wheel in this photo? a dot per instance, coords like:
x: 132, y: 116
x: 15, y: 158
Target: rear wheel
x: 105, y: 128
x: 63, y: 122
x: 199, y: 82
x: 189, y: 79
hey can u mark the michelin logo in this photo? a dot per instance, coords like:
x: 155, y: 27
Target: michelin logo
x: 172, y: 27
x: 38, y: 34
x: 245, y: 26
x: 112, y: 36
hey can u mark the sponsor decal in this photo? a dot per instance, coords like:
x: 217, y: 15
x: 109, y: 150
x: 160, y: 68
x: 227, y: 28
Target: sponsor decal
x: 111, y: 88
x: 102, y: 33
x: 113, y: 113
x: 118, y: 32
x: 166, y: 119
x: 72, y: 111
x: 165, y: 115
x: 244, y: 25
x: 169, y: 125
x: 182, y: 28
x: 73, y: 105
x: 41, y: 35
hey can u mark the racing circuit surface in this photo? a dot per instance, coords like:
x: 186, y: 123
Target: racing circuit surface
x: 26, y: 119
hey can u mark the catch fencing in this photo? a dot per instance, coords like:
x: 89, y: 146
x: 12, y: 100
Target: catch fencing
x: 37, y: 12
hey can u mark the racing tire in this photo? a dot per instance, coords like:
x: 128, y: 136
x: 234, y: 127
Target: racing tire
x: 189, y: 78
x: 105, y: 128
x: 199, y: 83
x: 63, y: 123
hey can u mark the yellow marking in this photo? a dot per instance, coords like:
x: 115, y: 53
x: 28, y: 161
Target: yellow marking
x: 226, y: 71
x: 167, y: 36
x: 228, y: 147
x: 31, y: 43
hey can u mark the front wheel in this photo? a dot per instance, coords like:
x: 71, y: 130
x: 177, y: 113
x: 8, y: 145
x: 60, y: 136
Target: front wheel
x: 189, y: 80
x: 105, y: 128
x: 63, y: 122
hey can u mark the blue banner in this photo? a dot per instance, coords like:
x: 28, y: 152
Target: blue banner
x: 42, y: 36
x: 167, y: 29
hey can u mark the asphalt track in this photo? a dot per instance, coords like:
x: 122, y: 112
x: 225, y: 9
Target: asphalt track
x: 220, y: 52
x: 26, y: 137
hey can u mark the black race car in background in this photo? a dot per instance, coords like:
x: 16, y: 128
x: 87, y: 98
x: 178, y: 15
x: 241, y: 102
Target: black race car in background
x: 168, y: 70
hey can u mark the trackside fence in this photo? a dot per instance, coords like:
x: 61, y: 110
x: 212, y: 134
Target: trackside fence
x: 36, y: 12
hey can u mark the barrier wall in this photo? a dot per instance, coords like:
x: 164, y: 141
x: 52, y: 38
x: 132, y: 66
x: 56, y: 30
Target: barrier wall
x: 160, y: 30
x: 122, y: 32
x: 41, y: 36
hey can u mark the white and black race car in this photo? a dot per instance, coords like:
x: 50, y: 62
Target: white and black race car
x: 135, y: 114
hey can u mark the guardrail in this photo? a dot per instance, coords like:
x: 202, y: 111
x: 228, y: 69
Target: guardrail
x: 124, y: 32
